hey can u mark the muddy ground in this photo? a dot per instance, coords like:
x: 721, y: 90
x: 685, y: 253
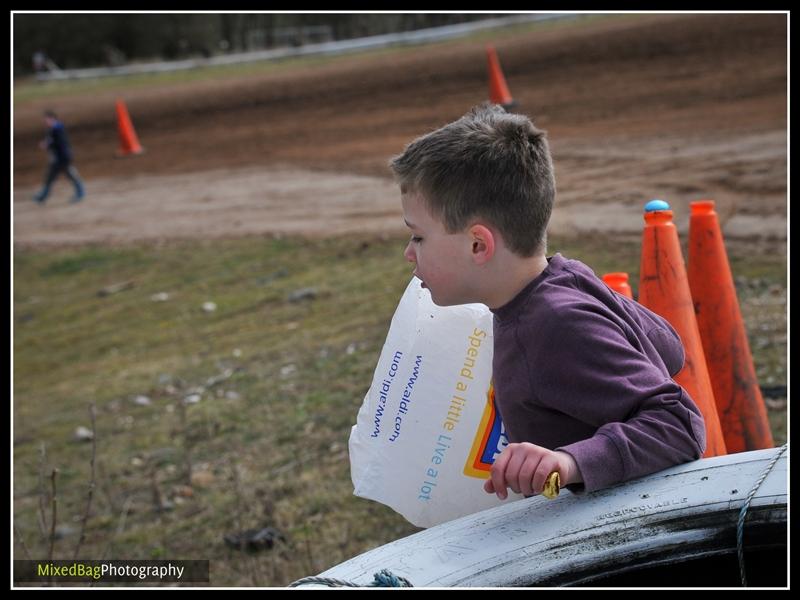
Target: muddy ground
x: 678, y: 107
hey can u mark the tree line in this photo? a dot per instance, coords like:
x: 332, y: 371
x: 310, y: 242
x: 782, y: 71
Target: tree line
x: 71, y: 41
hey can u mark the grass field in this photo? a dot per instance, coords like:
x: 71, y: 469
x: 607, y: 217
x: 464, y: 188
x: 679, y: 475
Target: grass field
x: 278, y: 370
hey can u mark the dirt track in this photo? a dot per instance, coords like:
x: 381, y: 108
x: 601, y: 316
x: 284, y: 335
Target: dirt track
x: 673, y: 106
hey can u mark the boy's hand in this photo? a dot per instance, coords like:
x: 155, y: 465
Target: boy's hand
x: 524, y: 468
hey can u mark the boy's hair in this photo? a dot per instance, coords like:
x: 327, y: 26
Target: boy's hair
x: 490, y: 165
x: 50, y: 114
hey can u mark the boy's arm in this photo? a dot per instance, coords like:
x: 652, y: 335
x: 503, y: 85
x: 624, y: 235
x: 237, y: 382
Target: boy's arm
x: 588, y: 369
x: 667, y: 343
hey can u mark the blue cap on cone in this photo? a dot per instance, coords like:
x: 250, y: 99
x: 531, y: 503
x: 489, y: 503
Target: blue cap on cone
x: 655, y: 205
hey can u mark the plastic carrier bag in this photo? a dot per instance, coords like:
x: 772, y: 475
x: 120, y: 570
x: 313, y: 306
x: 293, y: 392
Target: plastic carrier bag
x: 428, y: 432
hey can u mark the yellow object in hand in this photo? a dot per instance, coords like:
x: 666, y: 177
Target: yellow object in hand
x: 552, y: 486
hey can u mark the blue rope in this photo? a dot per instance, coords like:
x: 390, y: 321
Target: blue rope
x: 383, y: 578
x: 743, y: 513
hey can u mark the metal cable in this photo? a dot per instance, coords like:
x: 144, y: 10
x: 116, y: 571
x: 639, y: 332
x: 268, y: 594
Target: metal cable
x: 743, y: 514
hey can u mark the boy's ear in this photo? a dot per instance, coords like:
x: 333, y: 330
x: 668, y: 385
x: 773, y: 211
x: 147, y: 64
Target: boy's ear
x: 483, y: 244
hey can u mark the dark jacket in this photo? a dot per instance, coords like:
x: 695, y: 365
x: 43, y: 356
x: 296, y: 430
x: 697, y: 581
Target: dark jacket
x: 58, y: 144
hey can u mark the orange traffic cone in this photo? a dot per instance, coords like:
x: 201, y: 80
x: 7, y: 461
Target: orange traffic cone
x: 664, y: 289
x: 739, y: 403
x: 619, y: 283
x: 128, y: 142
x: 498, y: 90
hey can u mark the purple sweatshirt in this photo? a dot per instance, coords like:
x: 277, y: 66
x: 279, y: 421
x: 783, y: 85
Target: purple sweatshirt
x: 580, y: 368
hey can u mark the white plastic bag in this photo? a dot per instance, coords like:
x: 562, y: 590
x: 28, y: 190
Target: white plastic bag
x: 428, y: 432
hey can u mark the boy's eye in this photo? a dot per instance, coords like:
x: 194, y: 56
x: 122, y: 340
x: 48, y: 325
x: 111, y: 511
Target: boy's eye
x: 416, y: 239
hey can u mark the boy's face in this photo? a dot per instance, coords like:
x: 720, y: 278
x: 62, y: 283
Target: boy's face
x: 443, y: 260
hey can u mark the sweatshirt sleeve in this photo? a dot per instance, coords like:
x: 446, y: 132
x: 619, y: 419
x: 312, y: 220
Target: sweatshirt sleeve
x: 666, y: 341
x: 587, y: 368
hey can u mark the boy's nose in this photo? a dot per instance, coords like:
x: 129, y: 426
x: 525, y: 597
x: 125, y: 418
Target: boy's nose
x: 409, y: 253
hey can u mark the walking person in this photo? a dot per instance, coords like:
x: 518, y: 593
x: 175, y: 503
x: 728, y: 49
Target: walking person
x: 57, y: 144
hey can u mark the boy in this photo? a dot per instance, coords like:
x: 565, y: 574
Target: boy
x: 57, y: 144
x: 582, y: 375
